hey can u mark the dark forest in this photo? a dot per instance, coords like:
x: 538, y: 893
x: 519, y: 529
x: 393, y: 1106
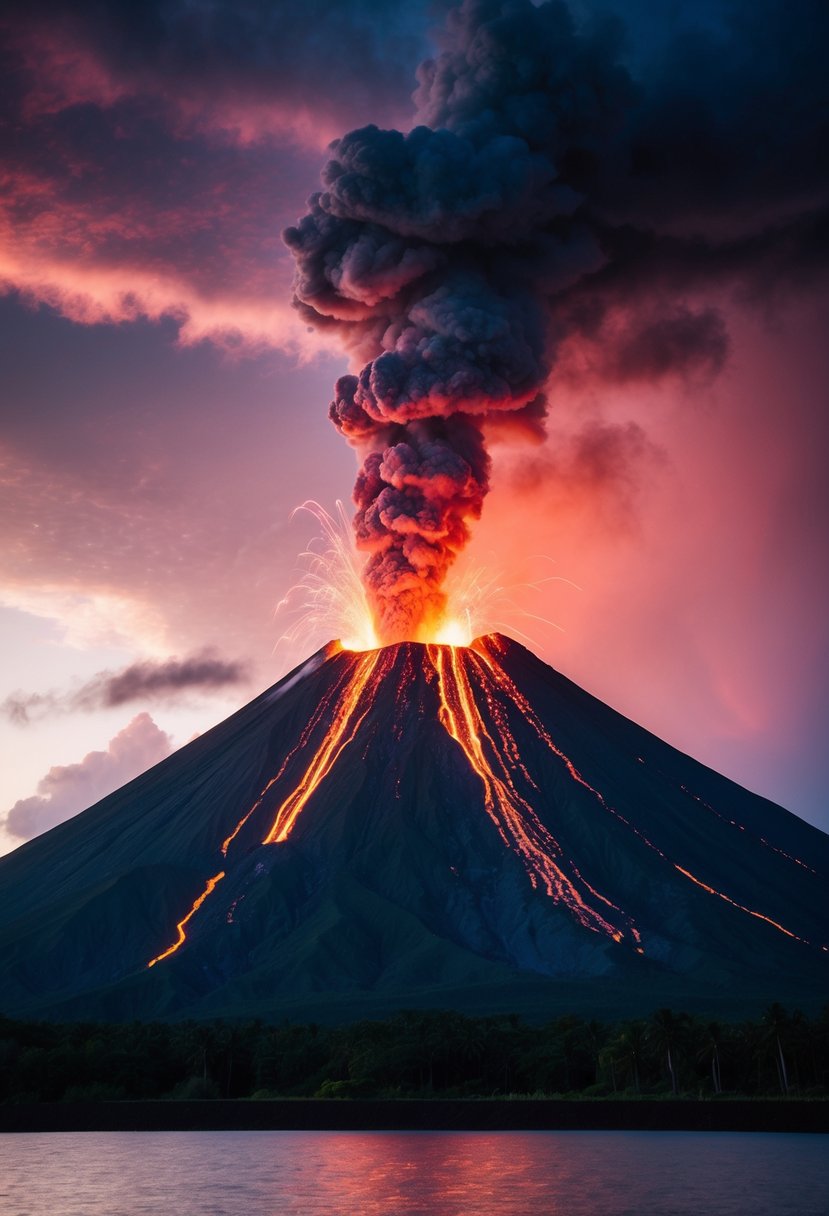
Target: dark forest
x: 418, y: 1054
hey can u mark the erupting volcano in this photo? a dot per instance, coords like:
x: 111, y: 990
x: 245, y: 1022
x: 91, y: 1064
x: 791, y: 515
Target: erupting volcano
x: 418, y: 824
x: 409, y: 822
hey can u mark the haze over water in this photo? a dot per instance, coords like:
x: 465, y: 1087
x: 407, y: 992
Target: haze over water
x: 413, y: 1174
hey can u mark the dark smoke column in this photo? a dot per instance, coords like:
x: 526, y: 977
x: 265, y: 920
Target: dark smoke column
x: 426, y: 251
x: 549, y: 207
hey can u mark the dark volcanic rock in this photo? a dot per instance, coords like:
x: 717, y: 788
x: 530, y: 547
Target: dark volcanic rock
x: 462, y: 828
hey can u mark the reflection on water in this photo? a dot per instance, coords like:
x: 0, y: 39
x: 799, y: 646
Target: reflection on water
x: 413, y: 1173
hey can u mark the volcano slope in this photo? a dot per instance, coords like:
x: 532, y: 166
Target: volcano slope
x: 418, y: 826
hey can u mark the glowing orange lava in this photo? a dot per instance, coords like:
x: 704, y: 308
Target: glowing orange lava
x: 211, y: 886
x: 506, y: 683
x: 349, y: 712
x: 477, y: 703
x: 497, y: 765
x: 734, y: 904
x: 742, y: 828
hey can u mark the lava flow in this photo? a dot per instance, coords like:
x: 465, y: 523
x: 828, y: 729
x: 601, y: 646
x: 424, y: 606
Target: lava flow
x: 212, y: 883
x: 348, y: 715
x: 480, y: 708
x: 497, y: 764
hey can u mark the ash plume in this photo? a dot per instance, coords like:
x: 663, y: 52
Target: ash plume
x: 548, y: 197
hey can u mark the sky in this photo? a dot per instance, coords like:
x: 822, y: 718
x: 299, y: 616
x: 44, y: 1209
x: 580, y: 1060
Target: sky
x: 165, y: 408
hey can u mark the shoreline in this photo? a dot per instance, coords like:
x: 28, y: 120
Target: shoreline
x: 301, y: 1114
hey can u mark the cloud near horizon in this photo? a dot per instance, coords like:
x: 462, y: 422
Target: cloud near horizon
x: 165, y: 680
x: 69, y: 788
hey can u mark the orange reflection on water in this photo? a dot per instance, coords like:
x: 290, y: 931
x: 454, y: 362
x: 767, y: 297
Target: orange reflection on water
x: 453, y: 1174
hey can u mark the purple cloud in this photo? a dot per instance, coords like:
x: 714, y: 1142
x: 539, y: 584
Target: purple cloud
x: 69, y: 788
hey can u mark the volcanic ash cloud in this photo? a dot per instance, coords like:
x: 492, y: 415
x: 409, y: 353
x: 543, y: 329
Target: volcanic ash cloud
x: 542, y: 195
x: 422, y: 250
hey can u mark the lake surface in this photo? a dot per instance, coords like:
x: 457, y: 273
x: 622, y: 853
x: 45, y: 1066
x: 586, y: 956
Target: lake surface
x: 413, y: 1174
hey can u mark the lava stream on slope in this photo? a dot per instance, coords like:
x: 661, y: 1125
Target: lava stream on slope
x: 476, y: 702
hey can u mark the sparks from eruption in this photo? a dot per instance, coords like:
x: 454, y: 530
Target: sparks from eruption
x: 484, y: 600
x: 329, y: 598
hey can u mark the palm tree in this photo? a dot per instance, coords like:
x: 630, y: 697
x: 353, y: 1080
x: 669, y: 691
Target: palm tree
x: 666, y: 1031
x: 592, y: 1036
x: 627, y: 1049
x: 776, y: 1021
x: 197, y: 1038
x: 712, y: 1038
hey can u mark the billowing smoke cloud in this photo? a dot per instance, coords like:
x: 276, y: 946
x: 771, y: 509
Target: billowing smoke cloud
x: 143, y: 681
x: 69, y: 788
x: 550, y: 211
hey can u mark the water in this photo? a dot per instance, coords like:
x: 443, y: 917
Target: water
x: 413, y: 1174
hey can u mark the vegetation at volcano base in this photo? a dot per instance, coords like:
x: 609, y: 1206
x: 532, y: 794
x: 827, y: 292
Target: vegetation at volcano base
x: 418, y: 1055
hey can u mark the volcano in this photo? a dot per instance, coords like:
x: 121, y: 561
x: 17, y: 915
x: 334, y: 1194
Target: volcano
x: 418, y: 826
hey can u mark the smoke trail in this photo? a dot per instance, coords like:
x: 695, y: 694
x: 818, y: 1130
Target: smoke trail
x: 543, y: 194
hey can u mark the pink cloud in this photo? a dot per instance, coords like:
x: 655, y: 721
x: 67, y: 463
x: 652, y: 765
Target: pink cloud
x: 108, y: 214
x: 70, y: 788
x: 117, y: 255
x: 221, y: 71
x: 95, y: 295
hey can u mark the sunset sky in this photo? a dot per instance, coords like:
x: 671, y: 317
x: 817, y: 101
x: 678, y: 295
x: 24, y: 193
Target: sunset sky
x: 165, y: 408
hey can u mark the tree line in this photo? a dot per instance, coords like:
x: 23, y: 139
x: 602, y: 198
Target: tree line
x: 417, y: 1054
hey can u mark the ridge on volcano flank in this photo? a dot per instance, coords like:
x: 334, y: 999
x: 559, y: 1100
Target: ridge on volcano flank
x: 418, y: 825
